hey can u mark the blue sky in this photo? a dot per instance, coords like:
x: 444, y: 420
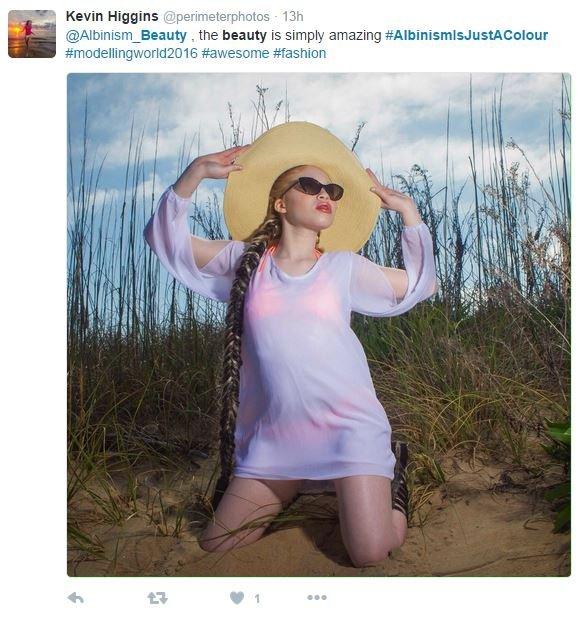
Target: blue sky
x: 405, y: 117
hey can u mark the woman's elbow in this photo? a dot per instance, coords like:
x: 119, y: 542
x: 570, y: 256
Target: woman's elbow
x: 433, y: 289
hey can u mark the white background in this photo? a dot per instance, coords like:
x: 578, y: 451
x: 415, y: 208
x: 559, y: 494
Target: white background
x: 33, y: 318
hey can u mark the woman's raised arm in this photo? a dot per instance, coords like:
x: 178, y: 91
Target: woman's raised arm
x: 372, y: 292
x: 214, y: 165
x: 204, y: 266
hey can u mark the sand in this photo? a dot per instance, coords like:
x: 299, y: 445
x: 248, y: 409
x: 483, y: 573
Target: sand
x: 486, y: 520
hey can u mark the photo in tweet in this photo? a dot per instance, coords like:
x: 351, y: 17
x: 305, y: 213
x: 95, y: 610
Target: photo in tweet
x: 319, y: 325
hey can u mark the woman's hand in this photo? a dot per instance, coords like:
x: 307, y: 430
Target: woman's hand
x: 390, y: 198
x: 396, y: 201
x: 219, y: 165
x: 215, y: 165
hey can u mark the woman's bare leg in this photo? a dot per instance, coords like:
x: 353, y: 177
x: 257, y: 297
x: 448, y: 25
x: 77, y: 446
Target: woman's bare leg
x: 369, y: 526
x: 246, y: 500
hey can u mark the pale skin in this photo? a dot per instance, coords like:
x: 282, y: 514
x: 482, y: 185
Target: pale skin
x: 370, y: 528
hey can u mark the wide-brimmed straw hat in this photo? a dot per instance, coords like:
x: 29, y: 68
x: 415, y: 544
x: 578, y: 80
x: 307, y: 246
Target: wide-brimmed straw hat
x: 302, y: 143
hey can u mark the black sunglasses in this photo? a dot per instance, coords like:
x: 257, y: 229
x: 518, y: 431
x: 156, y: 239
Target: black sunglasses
x: 312, y: 187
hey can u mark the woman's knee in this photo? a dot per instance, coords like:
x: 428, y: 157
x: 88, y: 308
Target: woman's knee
x: 206, y: 544
x: 210, y: 542
x: 372, y: 554
x: 244, y: 513
x: 217, y: 539
x: 369, y: 559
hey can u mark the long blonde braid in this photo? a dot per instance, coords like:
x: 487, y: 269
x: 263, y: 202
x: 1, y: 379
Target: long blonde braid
x: 232, y: 360
x: 267, y: 233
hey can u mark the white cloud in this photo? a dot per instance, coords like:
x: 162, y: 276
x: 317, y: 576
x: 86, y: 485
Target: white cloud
x: 405, y: 114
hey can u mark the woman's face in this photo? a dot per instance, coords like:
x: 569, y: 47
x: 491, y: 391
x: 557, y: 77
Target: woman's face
x: 300, y: 209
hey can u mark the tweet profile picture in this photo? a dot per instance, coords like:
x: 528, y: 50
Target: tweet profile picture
x: 31, y: 34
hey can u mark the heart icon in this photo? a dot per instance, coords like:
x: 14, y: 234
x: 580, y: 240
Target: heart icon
x: 237, y: 596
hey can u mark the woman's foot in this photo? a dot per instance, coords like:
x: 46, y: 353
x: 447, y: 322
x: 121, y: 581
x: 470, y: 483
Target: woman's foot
x: 399, y: 489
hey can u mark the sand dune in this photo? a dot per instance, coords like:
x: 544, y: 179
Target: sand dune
x: 487, y: 520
